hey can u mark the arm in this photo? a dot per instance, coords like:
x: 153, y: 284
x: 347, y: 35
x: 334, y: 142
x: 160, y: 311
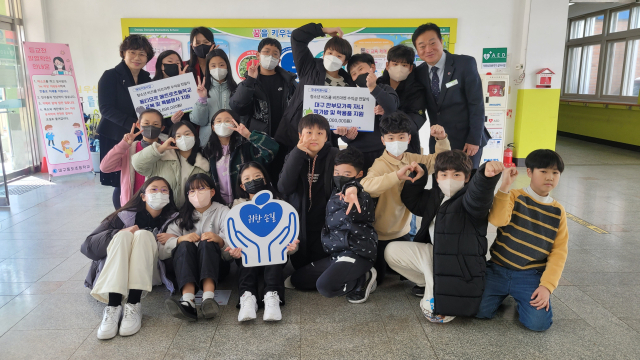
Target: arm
x: 502, y: 208
x: 376, y: 183
x: 479, y: 196
x: 242, y: 99
x: 290, y: 171
x: 386, y: 97
x: 221, y: 230
x: 108, y: 100
x: 265, y: 148
x: 414, y: 195
x: 112, y: 162
x: 475, y: 103
x: 95, y: 246
x: 557, y: 257
x: 302, y: 56
x: 164, y: 250
x: 145, y: 161
x: 200, y: 113
x: 430, y: 160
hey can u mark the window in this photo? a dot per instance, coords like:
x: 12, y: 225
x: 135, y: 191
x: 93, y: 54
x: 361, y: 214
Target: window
x: 619, y: 21
x: 573, y: 61
x: 586, y: 27
x: 615, y: 63
x: 582, y: 70
x: 631, y: 85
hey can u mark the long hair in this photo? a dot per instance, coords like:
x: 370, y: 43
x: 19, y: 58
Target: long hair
x: 196, y: 147
x: 137, y: 204
x: 59, y: 59
x: 242, y: 194
x: 193, y: 59
x: 213, y: 148
x: 231, y: 83
x: 159, y: 74
x: 186, y: 219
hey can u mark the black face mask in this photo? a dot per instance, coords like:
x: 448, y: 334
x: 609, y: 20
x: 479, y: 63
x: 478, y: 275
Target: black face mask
x: 341, y: 181
x: 151, y: 132
x: 201, y: 50
x: 171, y: 69
x: 361, y: 80
x: 255, y: 186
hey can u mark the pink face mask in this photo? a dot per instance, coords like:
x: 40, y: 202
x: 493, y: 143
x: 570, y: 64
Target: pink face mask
x: 200, y: 199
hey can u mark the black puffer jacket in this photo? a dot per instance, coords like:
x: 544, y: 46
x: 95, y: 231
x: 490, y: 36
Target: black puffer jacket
x: 460, y: 244
x: 353, y: 232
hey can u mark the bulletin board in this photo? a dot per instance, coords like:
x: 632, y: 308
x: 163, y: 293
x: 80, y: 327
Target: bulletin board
x: 239, y: 38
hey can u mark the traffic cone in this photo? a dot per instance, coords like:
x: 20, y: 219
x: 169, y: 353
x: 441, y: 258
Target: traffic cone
x: 44, y: 168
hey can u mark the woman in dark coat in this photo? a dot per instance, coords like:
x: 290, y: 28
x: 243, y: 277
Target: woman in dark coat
x: 116, y: 107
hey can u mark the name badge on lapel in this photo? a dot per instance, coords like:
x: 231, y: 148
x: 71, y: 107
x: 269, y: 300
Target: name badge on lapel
x: 451, y: 83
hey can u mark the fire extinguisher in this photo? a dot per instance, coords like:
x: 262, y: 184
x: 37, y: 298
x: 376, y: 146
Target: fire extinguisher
x: 508, y: 156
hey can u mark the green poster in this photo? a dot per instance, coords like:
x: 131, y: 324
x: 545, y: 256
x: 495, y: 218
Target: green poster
x: 494, y: 58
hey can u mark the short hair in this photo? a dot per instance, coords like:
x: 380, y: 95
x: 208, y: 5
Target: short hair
x: 75, y: 124
x: 360, y: 58
x: 395, y: 123
x: 272, y: 42
x: 312, y: 120
x: 46, y: 127
x: 401, y: 54
x: 350, y: 156
x: 456, y: 160
x: 151, y: 111
x: 136, y: 42
x: 544, y: 159
x: 423, y: 29
x: 340, y: 45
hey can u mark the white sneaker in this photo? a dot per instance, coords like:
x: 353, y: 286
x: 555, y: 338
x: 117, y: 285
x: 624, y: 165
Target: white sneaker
x: 248, y: 307
x: 109, y: 327
x: 272, y: 307
x: 288, y: 284
x: 132, y: 319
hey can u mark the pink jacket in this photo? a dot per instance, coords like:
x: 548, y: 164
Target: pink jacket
x: 119, y: 159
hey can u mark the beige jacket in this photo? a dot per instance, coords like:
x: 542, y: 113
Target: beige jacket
x: 392, y: 217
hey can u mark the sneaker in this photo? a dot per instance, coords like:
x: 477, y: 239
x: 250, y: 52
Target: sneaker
x: 361, y: 293
x: 418, y: 291
x: 109, y: 327
x: 131, y: 320
x: 439, y: 319
x: 209, y: 308
x: 272, y: 307
x: 248, y: 307
x: 288, y: 284
x: 181, y: 309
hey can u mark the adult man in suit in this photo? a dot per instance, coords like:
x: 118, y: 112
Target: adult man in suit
x: 454, y: 93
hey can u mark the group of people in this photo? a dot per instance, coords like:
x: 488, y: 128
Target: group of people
x: 175, y: 179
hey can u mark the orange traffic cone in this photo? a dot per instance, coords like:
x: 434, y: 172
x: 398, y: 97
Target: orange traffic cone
x: 44, y: 168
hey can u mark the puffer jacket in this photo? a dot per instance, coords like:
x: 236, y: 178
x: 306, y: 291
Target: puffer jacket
x: 204, y: 109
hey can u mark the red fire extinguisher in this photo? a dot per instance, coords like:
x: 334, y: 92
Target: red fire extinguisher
x: 508, y: 156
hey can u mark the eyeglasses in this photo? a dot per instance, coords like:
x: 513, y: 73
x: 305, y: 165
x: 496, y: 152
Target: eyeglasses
x: 198, y: 191
x: 156, y: 190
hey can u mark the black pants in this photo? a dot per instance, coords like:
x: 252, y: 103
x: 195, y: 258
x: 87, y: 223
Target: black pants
x: 249, y: 280
x: 275, y: 167
x: 381, y: 264
x: 332, y: 277
x: 369, y: 157
x: 194, y: 263
x: 113, y: 178
x: 311, y: 251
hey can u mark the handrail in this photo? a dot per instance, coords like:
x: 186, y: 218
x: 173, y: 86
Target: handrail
x: 599, y: 102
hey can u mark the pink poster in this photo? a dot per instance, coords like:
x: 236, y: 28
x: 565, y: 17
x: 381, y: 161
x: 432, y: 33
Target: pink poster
x: 56, y: 99
x: 161, y: 45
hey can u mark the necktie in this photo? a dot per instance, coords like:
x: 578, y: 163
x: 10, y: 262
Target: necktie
x: 435, y: 82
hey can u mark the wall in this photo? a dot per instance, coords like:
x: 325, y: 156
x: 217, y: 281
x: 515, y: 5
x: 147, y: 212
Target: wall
x: 619, y: 125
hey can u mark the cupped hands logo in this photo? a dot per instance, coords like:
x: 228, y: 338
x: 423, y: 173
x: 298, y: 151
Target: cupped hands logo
x: 262, y: 228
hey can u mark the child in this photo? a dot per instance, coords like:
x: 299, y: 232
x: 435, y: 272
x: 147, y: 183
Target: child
x: 169, y: 64
x: 252, y: 179
x: 348, y: 238
x: 197, y: 246
x: 311, y: 71
x: 125, y: 256
x: 400, y: 76
x: 448, y: 253
x: 78, y: 133
x: 119, y: 158
x: 306, y: 183
x: 49, y: 135
x: 386, y: 179
x: 174, y: 163
x: 530, y: 250
x: 229, y: 146
x: 214, y: 92
x: 264, y: 95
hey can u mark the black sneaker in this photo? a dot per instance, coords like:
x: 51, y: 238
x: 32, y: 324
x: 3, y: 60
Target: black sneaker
x: 418, y: 291
x: 209, y: 308
x: 361, y: 292
x: 181, y: 309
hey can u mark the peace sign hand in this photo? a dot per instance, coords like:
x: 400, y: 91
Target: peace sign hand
x: 351, y: 196
x: 182, y: 70
x: 131, y: 137
x: 202, y: 92
x: 241, y: 129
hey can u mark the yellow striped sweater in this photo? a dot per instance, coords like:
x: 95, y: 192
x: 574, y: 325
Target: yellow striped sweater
x: 531, y: 235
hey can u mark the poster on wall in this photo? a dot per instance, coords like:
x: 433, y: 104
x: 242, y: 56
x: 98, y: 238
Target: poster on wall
x: 59, y: 113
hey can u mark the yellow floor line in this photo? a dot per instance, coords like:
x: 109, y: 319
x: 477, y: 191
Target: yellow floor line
x: 585, y: 224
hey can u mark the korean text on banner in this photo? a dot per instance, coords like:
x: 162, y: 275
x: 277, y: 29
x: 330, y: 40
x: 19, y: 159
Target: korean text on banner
x: 61, y: 121
x: 167, y: 95
x: 341, y: 106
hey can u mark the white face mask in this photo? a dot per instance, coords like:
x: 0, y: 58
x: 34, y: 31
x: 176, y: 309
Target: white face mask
x: 396, y: 148
x: 223, y: 129
x: 332, y: 63
x: 268, y: 62
x: 450, y: 187
x: 398, y: 72
x: 185, y: 143
x: 218, y: 74
x: 157, y: 201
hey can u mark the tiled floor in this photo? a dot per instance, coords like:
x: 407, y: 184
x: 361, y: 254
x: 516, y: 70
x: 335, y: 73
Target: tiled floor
x: 45, y: 311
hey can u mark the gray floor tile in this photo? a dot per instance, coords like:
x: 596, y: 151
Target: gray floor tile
x: 601, y: 279
x: 67, y: 268
x: 13, y: 288
x: 63, y: 311
x: 26, y: 270
x: 43, y: 287
x: 621, y: 301
x: 42, y: 344
x: 5, y: 299
x: 192, y: 341
x: 69, y: 287
x: 269, y: 341
x: 16, y: 309
x: 347, y: 340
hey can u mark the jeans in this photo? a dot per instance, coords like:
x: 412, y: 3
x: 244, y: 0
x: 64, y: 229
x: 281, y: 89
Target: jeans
x: 332, y: 277
x: 414, y: 228
x: 501, y: 282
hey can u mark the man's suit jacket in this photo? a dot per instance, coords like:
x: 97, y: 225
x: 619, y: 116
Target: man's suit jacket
x: 460, y: 108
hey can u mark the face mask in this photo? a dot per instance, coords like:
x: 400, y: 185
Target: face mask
x: 218, y: 74
x: 396, y: 148
x: 201, y: 50
x: 223, y: 130
x: 398, y: 73
x: 171, y: 69
x: 361, y: 80
x: 151, y: 132
x: 268, y: 62
x: 341, y: 181
x: 450, y: 187
x: 331, y: 63
x: 255, y: 186
x: 200, y: 199
x: 157, y: 201
x: 186, y: 143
